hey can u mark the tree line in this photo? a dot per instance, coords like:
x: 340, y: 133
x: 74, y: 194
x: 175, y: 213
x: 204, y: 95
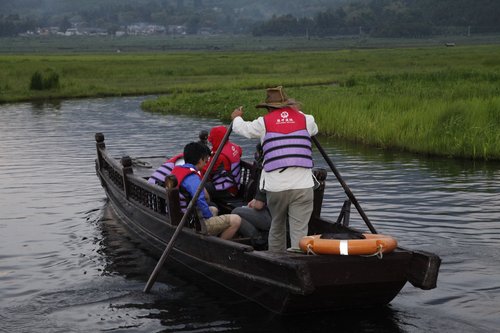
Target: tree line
x: 390, y: 18
x: 115, y: 15
x: 381, y: 18
x: 13, y: 24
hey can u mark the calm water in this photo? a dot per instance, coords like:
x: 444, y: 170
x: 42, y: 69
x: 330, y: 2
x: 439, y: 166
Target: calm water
x: 66, y: 265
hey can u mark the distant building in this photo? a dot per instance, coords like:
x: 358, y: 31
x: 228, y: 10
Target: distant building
x: 43, y: 31
x: 93, y: 32
x: 176, y: 29
x: 206, y: 31
x: 145, y: 29
x: 72, y: 32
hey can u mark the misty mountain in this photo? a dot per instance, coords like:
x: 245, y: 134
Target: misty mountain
x: 255, y: 9
x: 385, y: 18
x: 221, y: 16
x: 392, y: 18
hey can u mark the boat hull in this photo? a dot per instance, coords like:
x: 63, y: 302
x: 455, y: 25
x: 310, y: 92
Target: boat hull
x: 283, y: 283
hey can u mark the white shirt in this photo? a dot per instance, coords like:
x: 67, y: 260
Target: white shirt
x: 291, y: 178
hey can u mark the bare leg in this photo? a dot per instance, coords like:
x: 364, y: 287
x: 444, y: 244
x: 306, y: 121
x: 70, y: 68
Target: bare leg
x: 234, y: 225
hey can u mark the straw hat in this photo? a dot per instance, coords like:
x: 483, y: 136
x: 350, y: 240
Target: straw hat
x: 276, y: 98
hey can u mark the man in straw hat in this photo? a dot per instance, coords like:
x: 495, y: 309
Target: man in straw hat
x: 285, y: 133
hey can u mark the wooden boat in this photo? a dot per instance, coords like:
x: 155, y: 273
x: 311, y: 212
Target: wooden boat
x: 281, y: 282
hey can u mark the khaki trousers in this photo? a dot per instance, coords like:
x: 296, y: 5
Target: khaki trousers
x: 296, y: 206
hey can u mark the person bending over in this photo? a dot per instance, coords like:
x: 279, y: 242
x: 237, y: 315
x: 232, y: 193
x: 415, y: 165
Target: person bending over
x: 255, y: 216
x: 255, y: 220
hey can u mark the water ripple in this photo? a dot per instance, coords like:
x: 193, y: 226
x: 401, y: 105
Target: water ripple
x: 67, y: 265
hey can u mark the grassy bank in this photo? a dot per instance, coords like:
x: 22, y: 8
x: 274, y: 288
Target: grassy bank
x: 144, y: 73
x: 432, y: 100
x: 429, y: 101
x: 405, y: 119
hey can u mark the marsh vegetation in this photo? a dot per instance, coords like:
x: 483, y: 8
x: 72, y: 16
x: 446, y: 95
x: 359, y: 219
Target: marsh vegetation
x: 429, y: 100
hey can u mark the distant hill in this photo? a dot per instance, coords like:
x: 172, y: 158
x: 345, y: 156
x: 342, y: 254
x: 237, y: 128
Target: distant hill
x: 391, y: 18
x: 384, y: 18
x: 256, y: 9
x: 221, y: 16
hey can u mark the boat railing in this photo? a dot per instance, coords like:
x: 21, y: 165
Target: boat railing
x: 120, y: 174
x: 111, y: 167
x: 140, y: 191
x: 165, y: 202
x: 158, y: 200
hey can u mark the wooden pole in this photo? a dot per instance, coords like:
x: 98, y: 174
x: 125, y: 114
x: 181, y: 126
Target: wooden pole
x: 346, y: 188
x: 189, y: 208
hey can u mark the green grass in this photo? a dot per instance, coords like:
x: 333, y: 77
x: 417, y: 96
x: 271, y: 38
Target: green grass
x: 430, y: 100
x: 143, y: 73
x: 406, y: 120
x: 414, y: 121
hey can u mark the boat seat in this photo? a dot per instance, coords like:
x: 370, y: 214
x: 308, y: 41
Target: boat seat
x: 226, y: 206
x: 236, y: 202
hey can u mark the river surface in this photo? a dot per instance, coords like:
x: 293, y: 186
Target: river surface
x: 67, y: 265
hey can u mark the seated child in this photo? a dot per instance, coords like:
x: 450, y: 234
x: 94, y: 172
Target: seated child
x: 189, y: 179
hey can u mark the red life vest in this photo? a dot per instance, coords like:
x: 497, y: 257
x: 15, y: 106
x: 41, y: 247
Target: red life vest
x: 180, y: 173
x: 176, y: 158
x: 285, y: 121
x: 229, y: 177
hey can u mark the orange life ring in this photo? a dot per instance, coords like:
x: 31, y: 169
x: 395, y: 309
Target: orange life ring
x: 372, y: 244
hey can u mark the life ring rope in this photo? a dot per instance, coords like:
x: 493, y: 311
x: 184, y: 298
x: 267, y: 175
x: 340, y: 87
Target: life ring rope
x: 310, y: 250
x: 373, y: 245
x: 379, y: 253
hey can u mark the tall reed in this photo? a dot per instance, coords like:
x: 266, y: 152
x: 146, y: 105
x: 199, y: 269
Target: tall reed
x: 453, y: 113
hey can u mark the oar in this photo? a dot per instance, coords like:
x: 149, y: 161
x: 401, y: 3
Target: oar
x: 344, y: 185
x: 189, y: 208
